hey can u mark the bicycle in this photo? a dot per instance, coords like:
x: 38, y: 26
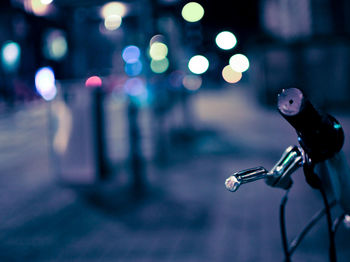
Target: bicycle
x: 321, y: 138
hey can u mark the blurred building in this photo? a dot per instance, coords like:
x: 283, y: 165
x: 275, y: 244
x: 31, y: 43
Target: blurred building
x: 308, y: 47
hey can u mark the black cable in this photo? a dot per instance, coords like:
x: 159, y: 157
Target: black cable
x: 283, y: 227
x: 332, y: 252
x: 315, y: 218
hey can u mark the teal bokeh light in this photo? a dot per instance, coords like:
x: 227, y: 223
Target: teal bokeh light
x: 10, y: 56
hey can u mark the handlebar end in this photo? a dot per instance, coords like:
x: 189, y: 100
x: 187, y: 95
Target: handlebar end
x: 232, y: 183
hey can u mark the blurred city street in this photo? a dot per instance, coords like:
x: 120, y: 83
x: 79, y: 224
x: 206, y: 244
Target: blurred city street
x: 185, y: 214
x: 172, y: 130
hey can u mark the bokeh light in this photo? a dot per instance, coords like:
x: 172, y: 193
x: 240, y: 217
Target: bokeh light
x: 175, y: 78
x: 113, y: 22
x: 113, y: 8
x: 131, y: 54
x: 135, y: 86
x: 37, y: 7
x: 93, y: 81
x: 157, y: 38
x: 198, y: 64
x: 226, y: 40
x: 230, y: 75
x: 133, y: 69
x: 239, y: 63
x: 45, y: 83
x: 160, y: 66
x: 10, y: 56
x: 56, y: 46
x: 192, y: 82
x: 158, y: 51
x: 46, y: 2
x: 192, y: 12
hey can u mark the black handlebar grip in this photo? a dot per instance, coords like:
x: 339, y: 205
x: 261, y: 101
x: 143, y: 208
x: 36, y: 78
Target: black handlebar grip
x: 320, y: 135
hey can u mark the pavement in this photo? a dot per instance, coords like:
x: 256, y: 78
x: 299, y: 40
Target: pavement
x: 185, y: 213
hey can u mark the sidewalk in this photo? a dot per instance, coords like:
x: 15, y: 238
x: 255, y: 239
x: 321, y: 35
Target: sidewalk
x: 187, y: 214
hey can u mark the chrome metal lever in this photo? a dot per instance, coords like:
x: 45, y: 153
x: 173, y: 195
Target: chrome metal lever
x: 291, y: 159
x: 245, y: 176
x: 278, y: 176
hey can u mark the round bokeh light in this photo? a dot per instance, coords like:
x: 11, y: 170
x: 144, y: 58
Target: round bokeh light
x: 45, y: 83
x: 226, y: 40
x: 192, y: 82
x: 113, y: 22
x: 230, y: 75
x: 239, y: 63
x: 93, y: 81
x: 158, y: 51
x: 159, y: 66
x: 10, y: 56
x: 198, y: 64
x: 133, y: 69
x: 192, y: 12
x: 131, y: 54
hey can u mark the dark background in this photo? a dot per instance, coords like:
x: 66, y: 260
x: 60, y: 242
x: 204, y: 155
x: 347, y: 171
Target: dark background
x: 104, y: 174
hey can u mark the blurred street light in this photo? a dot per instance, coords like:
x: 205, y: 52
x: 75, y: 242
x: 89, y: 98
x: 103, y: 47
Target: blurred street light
x: 131, y: 54
x: 93, y: 81
x: 230, y: 75
x: 46, y: 2
x: 10, y: 56
x: 198, y: 64
x: 192, y: 82
x: 37, y: 7
x: 45, y: 83
x: 135, y: 86
x: 192, y: 12
x: 133, y: 69
x: 114, y: 8
x: 239, y: 63
x: 157, y: 38
x: 56, y: 46
x: 158, y: 51
x: 159, y: 66
x: 226, y: 40
x: 113, y: 22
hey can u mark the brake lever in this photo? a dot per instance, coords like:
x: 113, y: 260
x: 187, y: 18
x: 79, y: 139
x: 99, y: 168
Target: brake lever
x: 279, y: 176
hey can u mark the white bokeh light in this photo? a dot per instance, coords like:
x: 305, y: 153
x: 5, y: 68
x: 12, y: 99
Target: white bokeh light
x: 158, y: 51
x: 114, y: 8
x: 239, y: 63
x: 113, y: 22
x: 226, y: 40
x: 46, y: 2
x: 198, y: 64
x: 45, y: 83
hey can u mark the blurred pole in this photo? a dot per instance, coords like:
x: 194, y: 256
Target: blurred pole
x: 136, y: 160
x: 100, y: 135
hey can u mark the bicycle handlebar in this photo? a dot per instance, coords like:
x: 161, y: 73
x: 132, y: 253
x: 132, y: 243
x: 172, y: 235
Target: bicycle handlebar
x: 321, y: 136
x: 278, y: 176
x: 245, y: 176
